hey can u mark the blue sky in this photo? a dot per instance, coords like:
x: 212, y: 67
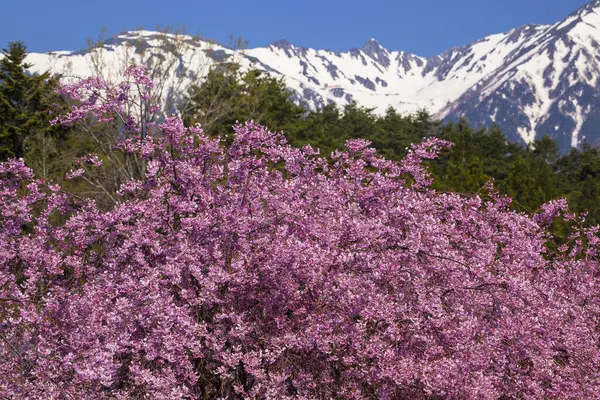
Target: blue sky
x: 424, y: 27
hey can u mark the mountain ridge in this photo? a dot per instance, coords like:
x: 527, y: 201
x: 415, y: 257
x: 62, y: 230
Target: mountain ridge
x: 531, y: 81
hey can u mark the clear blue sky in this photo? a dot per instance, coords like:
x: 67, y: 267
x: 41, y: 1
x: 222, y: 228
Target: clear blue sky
x: 424, y: 27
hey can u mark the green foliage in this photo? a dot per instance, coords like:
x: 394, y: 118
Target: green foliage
x: 227, y: 96
x: 25, y: 102
x: 461, y: 168
x: 579, y: 174
x: 529, y: 183
x: 320, y: 129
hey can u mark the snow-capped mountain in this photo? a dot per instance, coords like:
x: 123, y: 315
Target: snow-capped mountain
x: 531, y: 81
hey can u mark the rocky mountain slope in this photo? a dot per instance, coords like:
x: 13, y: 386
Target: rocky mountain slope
x: 531, y: 81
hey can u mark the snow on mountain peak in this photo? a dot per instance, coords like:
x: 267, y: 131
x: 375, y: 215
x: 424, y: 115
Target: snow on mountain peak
x: 532, y: 80
x: 377, y: 52
x: 590, y: 7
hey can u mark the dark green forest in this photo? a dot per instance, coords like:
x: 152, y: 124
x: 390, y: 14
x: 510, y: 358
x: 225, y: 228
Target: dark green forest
x: 530, y: 175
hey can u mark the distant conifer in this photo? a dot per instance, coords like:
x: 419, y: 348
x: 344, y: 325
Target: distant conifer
x: 24, y: 101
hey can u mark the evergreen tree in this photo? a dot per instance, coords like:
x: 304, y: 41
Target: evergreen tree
x: 267, y: 100
x: 579, y: 173
x: 321, y: 129
x: 461, y: 167
x: 213, y: 103
x: 526, y: 183
x: 423, y: 124
x: 227, y: 96
x: 25, y: 101
x: 358, y: 121
x: 495, y: 152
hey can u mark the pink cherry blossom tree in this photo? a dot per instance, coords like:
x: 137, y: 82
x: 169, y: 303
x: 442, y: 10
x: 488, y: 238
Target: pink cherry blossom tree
x: 262, y: 271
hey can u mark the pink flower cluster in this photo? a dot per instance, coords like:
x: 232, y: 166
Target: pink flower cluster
x: 97, y: 97
x: 262, y: 271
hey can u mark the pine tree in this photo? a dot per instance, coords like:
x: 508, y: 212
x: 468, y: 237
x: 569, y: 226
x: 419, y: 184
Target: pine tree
x: 460, y: 168
x: 24, y: 101
x: 227, y: 96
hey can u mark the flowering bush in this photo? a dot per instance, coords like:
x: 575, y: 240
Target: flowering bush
x: 262, y: 271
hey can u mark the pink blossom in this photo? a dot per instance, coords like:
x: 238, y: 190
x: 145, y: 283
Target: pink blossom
x: 74, y: 173
x: 263, y: 271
